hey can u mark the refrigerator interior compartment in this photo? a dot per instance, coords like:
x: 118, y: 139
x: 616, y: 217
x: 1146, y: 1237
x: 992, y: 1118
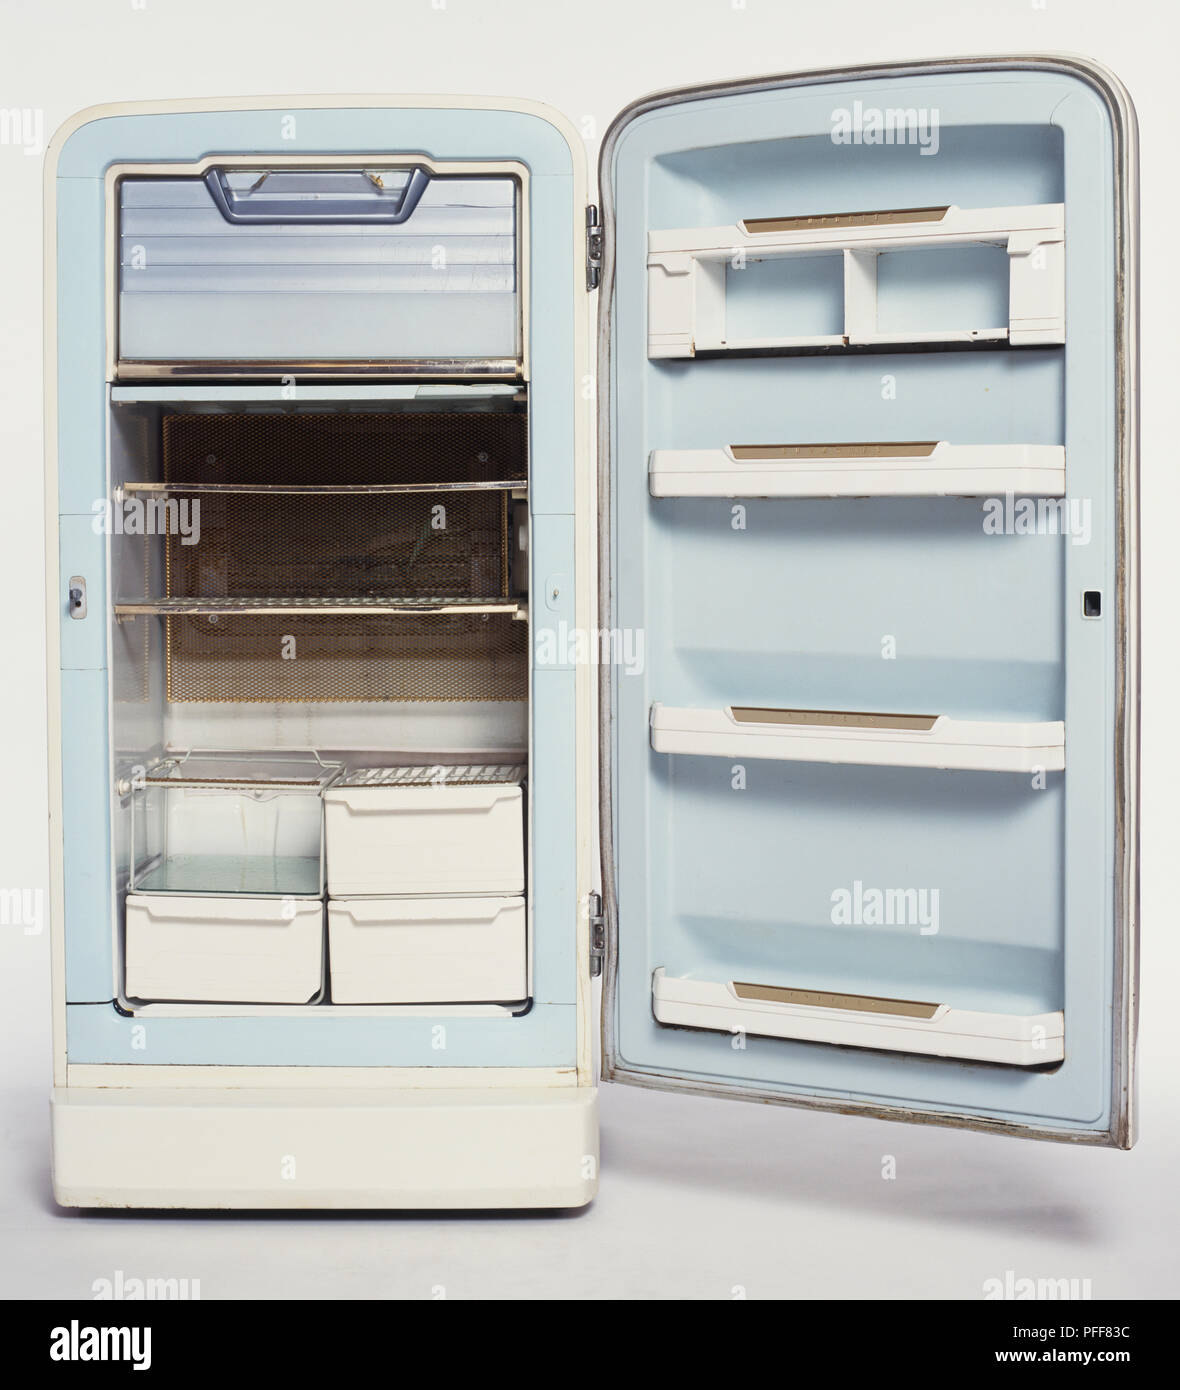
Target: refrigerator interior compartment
x: 392, y: 504
x: 394, y: 832
x: 912, y: 276
x: 464, y: 950
x: 405, y: 268
x: 932, y: 468
x: 311, y: 555
x: 221, y: 824
x: 877, y: 739
x: 854, y: 1020
x: 230, y: 950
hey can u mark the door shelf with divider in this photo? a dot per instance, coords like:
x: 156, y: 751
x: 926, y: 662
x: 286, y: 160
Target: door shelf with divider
x: 858, y: 279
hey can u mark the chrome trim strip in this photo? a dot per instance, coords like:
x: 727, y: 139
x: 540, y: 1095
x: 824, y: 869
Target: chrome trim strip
x: 447, y: 369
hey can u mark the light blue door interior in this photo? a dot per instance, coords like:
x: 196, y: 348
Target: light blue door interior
x: 732, y: 868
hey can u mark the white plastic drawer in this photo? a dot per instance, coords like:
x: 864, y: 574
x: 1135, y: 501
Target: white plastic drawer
x: 224, y: 950
x: 427, y: 950
x: 420, y: 840
x: 290, y: 266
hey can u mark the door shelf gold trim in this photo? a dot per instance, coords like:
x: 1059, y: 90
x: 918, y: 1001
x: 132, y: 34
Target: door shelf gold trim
x: 827, y: 999
x: 839, y: 719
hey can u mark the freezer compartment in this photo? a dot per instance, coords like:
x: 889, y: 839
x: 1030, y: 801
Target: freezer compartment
x: 426, y: 830
x: 248, y: 825
x: 855, y: 1020
x: 396, y: 268
x: 427, y: 950
x: 224, y: 950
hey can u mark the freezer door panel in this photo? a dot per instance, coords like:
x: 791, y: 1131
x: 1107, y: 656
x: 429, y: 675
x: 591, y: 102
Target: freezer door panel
x: 867, y: 522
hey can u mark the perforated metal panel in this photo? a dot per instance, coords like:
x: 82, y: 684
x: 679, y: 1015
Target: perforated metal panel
x: 408, y: 545
x: 345, y: 447
x: 293, y: 658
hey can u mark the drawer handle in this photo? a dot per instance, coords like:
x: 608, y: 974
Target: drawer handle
x: 377, y: 206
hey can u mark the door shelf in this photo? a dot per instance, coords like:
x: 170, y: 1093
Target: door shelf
x: 688, y: 268
x: 933, y: 468
x: 317, y: 604
x: 851, y: 1020
x: 836, y: 736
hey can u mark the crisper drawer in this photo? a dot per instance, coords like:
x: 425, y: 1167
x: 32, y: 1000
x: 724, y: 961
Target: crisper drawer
x: 320, y: 266
x: 427, y: 950
x: 419, y: 830
x: 224, y: 950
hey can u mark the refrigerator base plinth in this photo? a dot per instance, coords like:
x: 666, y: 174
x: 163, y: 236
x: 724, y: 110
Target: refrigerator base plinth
x: 148, y: 1147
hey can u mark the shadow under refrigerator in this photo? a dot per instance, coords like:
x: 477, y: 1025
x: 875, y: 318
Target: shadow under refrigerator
x: 409, y: 669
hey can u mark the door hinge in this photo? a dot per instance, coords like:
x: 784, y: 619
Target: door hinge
x: 597, y: 934
x: 593, y: 248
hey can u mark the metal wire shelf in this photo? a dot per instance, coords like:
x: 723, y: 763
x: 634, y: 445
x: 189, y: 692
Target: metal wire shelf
x: 323, y: 489
x: 316, y: 604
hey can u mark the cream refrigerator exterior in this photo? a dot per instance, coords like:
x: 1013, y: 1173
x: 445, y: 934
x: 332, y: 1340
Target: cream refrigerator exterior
x: 488, y: 1104
x: 128, y: 1131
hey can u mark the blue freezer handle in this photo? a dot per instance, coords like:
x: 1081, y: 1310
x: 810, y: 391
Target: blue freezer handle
x: 344, y: 196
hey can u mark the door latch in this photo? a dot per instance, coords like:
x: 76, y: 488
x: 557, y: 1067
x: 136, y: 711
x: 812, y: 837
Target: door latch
x: 597, y: 935
x: 77, y: 608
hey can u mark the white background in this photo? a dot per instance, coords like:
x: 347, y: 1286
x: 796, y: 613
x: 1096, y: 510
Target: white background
x: 698, y: 1196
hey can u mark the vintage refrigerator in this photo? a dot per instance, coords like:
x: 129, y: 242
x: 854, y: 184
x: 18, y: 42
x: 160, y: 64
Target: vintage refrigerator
x: 464, y: 585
